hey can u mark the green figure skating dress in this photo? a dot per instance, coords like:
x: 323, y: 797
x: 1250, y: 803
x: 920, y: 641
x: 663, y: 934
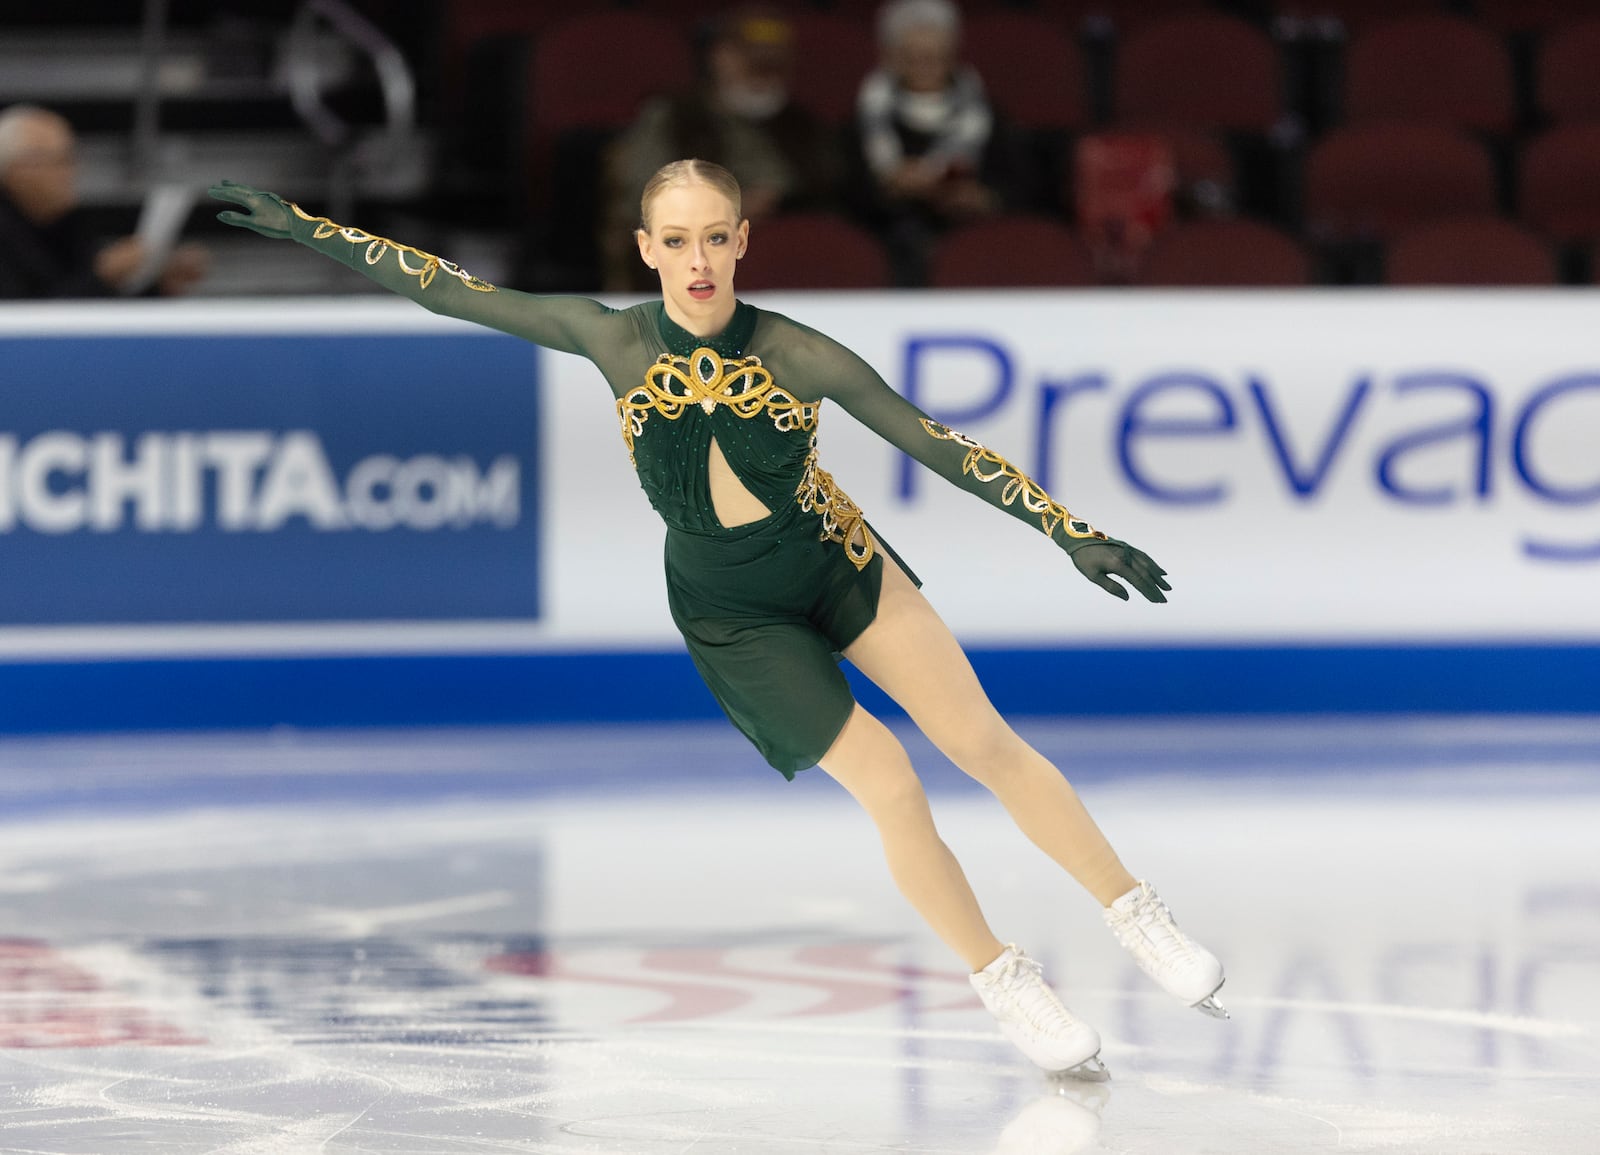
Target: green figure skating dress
x: 765, y: 607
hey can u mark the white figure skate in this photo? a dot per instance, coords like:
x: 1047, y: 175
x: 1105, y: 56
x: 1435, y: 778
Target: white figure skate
x: 1181, y: 966
x: 1031, y: 1016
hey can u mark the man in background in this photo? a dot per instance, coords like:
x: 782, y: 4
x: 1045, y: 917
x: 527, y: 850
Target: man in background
x: 45, y: 250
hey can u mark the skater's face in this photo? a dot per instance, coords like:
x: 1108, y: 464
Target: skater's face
x: 693, y: 238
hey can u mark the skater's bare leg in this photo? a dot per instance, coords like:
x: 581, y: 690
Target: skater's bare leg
x: 911, y: 654
x: 869, y: 762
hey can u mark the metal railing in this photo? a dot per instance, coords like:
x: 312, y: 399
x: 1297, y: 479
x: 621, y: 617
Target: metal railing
x: 307, y: 75
x: 147, y: 104
x: 306, y: 94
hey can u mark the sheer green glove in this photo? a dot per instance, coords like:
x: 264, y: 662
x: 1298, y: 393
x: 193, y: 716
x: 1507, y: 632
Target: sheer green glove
x: 1100, y: 560
x: 268, y: 214
x: 568, y: 324
x: 813, y: 364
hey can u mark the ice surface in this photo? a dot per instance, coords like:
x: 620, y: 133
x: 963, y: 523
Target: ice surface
x: 452, y: 956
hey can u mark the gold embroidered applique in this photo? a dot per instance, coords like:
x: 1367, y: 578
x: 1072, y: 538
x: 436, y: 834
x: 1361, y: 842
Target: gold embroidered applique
x: 703, y: 378
x: 986, y: 465
x: 842, y: 519
x: 378, y: 247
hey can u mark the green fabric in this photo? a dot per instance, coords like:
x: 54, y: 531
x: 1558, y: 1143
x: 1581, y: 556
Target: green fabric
x: 808, y: 365
x: 765, y: 607
x: 671, y: 455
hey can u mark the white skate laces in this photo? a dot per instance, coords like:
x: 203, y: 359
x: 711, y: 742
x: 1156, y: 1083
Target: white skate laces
x: 1032, y: 1017
x: 1181, y: 966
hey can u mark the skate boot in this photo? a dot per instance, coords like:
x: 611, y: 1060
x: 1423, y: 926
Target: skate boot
x: 1031, y: 1016
x: 1181, y: 966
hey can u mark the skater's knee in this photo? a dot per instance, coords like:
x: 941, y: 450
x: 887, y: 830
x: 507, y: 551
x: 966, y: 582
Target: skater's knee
x: 899, y: 793
x: 985, y: 748
x: 869, y: 762
x: 889, y: 789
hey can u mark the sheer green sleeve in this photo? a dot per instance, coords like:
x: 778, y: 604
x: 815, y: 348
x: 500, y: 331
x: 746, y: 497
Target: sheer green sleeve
x: 840, y: 375
x: 566, y: 324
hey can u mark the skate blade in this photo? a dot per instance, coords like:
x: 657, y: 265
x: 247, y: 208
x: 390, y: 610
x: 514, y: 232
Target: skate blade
x: 1210, y: 1006
x: 1091, y: 1070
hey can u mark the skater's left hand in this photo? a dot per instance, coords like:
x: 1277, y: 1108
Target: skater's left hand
x: 1100, y: 560
x: 267, y: 215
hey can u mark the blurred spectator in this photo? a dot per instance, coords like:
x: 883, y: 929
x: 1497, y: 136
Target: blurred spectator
x: 927, y: 135
x: 739, y: 116
x: 45, y: 250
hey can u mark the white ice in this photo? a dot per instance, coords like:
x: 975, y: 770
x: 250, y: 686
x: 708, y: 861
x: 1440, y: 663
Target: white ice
x: 1409, y: 913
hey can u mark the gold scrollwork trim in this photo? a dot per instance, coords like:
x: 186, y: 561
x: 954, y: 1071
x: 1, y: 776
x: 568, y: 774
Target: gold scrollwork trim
x: 842, y: 519
x: 742, y: 384
x: 987, y: 466
x: 378, y: 247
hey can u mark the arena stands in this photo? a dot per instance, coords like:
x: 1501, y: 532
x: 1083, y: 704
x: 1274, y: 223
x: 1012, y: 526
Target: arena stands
x: 1348, y: 139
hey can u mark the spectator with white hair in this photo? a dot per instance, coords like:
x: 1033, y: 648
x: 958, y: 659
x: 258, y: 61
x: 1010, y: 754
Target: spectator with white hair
x: 45, y: 249
x: 928, y: 138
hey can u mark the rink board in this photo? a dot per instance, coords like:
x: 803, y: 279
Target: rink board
x: 356, y: 512
x: 452, y: 689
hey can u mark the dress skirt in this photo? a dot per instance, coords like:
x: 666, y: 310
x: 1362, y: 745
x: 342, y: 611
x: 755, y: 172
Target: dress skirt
x: 766, y: 608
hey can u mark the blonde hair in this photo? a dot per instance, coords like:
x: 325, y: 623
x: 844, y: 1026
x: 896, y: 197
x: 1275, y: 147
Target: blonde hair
x: 688, y: 172
x: 898, y: 17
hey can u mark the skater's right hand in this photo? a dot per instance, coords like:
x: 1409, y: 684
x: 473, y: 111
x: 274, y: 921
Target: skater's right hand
x: 268, y: 214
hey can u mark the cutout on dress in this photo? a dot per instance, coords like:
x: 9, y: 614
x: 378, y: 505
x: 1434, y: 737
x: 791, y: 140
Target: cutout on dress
x: 731, y: 499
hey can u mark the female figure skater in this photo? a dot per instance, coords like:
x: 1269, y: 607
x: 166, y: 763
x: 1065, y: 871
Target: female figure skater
x: 772, y: 571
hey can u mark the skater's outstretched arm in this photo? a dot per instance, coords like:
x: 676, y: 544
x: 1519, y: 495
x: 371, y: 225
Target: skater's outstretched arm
x: 844, y: 377
x: 566, y: 324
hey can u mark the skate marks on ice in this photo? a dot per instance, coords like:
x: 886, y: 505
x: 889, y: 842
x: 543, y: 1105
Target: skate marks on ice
x: 716, y: 975
x: 371, y: 1045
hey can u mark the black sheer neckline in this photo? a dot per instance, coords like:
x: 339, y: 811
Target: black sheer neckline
x: 730, y: 342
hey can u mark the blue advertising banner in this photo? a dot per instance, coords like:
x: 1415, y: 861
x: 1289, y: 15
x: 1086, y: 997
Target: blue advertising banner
x: 261, y: 478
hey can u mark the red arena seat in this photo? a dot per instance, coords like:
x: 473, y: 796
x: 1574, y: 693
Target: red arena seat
x: 594, y: 70
x: 1032, y: 70
x: 1202, y: 71
x: 1356, y: 15
x: 1224, y: 253
x: 834, y: 53
x: 465, y: 22
x: 1371, y: 181
x: 692, y: 15
x: 1439, y: 69
x: 1201, y: 162
x: 1120, y: 16
x: 1010, y: 252
x: 1560, y: 182
x: 1522, y: 16
x: 1470, y: 251
x: 813, y: 251
x: 1565, y: 80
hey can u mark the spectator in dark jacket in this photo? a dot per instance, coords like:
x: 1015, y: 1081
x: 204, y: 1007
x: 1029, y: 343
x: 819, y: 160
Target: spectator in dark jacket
x: 45, y: 250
